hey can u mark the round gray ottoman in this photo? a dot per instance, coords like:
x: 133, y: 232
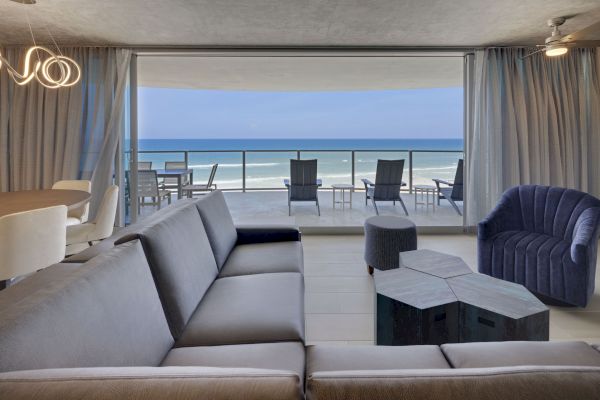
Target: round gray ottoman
x: 385, y: 238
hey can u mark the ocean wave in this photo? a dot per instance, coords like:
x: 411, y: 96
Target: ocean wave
x: 208, y: 166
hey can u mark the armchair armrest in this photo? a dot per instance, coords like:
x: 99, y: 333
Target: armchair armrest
x: 442, y: 181
x: 502, y: 218
x: 267, y: 234
x: 585, y: 236
x: 367, y: 182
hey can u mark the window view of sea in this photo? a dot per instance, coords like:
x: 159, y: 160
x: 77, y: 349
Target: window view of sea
x: 267, y: 160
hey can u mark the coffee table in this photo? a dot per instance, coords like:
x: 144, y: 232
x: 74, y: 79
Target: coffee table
x: 435, y: 298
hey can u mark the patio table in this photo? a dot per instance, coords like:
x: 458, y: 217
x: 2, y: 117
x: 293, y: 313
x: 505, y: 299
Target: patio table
x: 176, y: 173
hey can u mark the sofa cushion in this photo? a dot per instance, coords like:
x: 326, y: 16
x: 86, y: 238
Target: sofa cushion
x: 151, y: 383
x: 218, y: 224
x: 518, y: 383
x: 506, y: 354
x: 284, y: 356
x: 249, y: 309
x: 103, y: 313
x: 322, y: 358
x: 181, y: 262
x: 263, y: 258
x: 108, y: 243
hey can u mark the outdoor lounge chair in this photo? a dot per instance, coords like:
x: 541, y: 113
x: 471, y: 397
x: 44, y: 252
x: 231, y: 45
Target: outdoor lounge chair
x: 303, y: 183
x: 453, y: 191
x: 208, y: 187
x: 388, y: 181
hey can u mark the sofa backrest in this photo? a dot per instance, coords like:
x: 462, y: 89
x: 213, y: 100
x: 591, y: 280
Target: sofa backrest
x: 108, y: 243
x: 181, y: 261
x: 105, y: 313
x: 549, y: 210
x: 218, y: 224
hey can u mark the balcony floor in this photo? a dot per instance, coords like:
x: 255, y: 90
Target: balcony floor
x: 271, y: 207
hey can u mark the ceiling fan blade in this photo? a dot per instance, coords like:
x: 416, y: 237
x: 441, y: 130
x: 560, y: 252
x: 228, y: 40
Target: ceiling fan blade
x: 592, y: 32
x: 584, y: 43
x: 532, y: 53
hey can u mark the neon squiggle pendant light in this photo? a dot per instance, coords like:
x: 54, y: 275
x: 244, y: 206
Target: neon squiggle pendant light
x: 55, y: 71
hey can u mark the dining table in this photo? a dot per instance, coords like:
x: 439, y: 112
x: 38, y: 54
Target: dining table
x: 179, y: 174
x: 27, y: 200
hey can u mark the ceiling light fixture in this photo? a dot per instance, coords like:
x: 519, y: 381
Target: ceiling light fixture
x: 556, y: 50
x: 51, y: 70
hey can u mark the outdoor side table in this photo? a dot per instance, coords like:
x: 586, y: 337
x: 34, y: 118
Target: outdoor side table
x: 342, y: 187
x: 425, y: 191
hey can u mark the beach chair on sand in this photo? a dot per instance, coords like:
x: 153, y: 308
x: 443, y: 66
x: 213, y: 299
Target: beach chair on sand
x: 388, y: 181
x: 303, y: 184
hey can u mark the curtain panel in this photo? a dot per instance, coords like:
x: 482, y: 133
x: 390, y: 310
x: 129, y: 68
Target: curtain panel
x: 534, y: 120
x: 68, y: 133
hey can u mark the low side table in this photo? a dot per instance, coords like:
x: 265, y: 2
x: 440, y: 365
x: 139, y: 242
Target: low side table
x: 343, y: 187
x: 425, y: 190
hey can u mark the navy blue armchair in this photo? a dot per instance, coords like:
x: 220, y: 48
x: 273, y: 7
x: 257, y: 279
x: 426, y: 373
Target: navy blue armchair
x: 545, y: 238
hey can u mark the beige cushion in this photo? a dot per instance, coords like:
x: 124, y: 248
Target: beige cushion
x: 248, y: 309
x: 260, y: 258
x: 504, y: 354
x: 322, y: 358
x: 510, y: 383
x: 172, y: 383
x: 285, y: 356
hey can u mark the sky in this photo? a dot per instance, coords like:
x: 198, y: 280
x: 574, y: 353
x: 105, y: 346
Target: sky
x: 227, y: 114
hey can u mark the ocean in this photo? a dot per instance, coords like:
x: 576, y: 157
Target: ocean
x: 268, y: 169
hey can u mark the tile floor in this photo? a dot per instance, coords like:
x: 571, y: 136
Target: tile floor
x: 339, y: 297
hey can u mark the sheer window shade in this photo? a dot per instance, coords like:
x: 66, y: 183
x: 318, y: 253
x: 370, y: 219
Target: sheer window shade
x: 534, y: 120
x: 70, y: 133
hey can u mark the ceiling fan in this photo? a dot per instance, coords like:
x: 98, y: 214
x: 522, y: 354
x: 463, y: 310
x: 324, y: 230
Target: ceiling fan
x: 558, y: 44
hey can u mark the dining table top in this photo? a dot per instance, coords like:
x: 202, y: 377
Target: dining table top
x: 27, y: 200
x: 173, y: 172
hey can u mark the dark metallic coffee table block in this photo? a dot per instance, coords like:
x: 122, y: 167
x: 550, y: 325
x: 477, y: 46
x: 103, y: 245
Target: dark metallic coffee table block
x: 435, y: 298
x: 414, y: 308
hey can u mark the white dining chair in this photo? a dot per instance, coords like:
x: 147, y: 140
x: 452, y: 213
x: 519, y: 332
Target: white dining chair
x: 78, y: 215
x: 31, y: 240
x: 82, y: 236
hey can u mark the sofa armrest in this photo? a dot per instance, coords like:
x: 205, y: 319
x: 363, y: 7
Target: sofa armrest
x: 585, y: 236
x: 150, y: 383
x: 267, y: 233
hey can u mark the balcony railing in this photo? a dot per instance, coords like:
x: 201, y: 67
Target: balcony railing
x: 335, y: 166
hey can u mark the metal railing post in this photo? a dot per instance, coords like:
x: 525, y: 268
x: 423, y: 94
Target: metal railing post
x: 244, y: 171
x: 353, y: 167
x: 297, y: 154
x: 410, y: 171
x: 186, y: 158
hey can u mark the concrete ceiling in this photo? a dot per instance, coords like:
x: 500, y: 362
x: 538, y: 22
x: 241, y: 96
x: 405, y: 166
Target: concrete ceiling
x: 300, y: 74
x: 292, y: 22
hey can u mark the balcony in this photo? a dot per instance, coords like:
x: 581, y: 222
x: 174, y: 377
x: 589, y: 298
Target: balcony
x: 253, y: 184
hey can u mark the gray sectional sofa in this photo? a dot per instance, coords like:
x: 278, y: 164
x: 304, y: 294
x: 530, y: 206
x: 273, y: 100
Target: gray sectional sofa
x: 188, y: 306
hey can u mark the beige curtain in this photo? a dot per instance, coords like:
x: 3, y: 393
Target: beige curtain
x: 534, y: 120
x: 67, y: 133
